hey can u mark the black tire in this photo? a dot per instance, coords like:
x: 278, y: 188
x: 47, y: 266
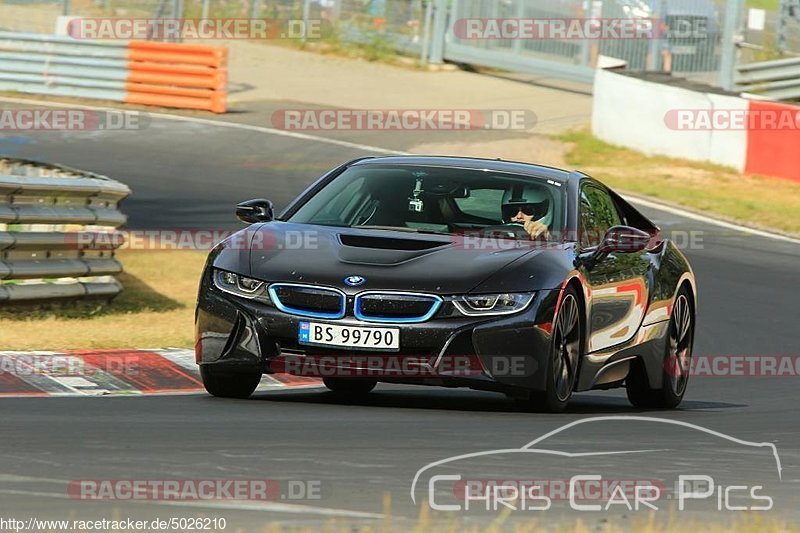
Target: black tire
x: 676, y: 365
x: 229, y: 384
x: 566, y: 352
x: 353, y: 386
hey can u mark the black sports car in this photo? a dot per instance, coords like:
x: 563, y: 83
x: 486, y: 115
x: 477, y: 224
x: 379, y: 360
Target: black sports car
x: 458, y: 272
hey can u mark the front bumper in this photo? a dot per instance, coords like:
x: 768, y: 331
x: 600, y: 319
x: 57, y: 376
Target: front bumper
x: 490, y: 353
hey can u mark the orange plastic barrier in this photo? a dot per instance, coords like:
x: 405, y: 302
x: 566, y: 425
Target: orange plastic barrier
x: 215, y: 81
x: 215, y: 103
x: 219, y: 53
x: 192, y: 76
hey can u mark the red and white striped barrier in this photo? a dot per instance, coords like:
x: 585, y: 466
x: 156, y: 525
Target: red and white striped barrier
x: 112, y: 372
x: 752, y: 136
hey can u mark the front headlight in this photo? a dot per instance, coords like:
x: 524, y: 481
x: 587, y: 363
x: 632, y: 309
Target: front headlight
x: 492, y: 304
x: 239, y: 285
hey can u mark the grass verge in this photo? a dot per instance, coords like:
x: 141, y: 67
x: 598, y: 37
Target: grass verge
x: 758, y: 201
x: 768, y: 5
x: 156, y: 309
x: 614, y: 523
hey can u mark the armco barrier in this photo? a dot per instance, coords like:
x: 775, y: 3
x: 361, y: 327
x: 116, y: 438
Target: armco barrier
x: 778, y: 79
x: 643, y: 115
x: 180, y: 75
x: 43, y: 210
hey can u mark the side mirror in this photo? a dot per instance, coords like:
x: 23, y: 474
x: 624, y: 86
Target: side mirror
x: 624, y: 239
x: 252, y: 211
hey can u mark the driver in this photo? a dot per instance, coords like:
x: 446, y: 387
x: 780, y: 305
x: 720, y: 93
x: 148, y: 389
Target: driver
x: 529, y: 206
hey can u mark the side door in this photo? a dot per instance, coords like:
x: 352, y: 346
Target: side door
x: 618, y: 281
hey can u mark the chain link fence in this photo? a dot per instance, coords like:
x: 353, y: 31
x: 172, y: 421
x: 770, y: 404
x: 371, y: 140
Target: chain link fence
x: 688, y: 35
x: 402, y: 25
x: 771, y: 34
x: 683, y: 36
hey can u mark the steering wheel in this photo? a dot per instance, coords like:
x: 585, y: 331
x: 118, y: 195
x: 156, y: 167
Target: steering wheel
x: 509, y: 229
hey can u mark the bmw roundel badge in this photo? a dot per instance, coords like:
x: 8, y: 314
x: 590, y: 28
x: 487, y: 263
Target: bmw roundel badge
x: 354, y: 281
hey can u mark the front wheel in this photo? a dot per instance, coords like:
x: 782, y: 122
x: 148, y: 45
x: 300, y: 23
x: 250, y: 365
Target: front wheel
x: 566, y: 350
x: 676, y: 365
x: 229, y: 384
x: 350, y: 385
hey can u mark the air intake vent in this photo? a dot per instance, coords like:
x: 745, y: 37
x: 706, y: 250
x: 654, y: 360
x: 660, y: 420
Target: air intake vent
x: 384, y: 243
x: 396, y: 306
x: 308, y: 300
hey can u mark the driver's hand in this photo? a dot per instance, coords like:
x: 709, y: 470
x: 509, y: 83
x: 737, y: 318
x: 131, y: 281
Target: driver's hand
x: 534, y: 228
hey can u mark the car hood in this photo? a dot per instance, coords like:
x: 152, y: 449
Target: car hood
x: 394, y: 260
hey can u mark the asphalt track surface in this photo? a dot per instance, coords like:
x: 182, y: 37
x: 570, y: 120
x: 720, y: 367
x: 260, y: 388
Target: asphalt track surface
x: 189, y: 175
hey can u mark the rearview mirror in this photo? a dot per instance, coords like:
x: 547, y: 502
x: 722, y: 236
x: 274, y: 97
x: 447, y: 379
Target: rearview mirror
x: 452, y: 190
x: 624, y: 239
x: 252, y: 211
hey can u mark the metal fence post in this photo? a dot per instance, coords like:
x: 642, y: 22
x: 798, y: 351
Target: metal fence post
x: 520, y: 14
x: 657, y: 39
x: 586, y: 51
x: 426, y: 31
x: 788, y: 9
x: 727, y: 63
x: 66, y: 7
x: 306, y: 17
x: 179, y: 14
x: 206, y: 6
x: 439, y: 33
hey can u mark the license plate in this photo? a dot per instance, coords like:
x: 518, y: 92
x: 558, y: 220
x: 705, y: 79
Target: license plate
x: 365, y: 338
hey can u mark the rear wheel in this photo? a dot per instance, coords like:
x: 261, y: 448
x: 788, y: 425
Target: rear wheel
x: 676, y: 365
x: 350, y: 385
x: 229, y: 384
x: 566, y: 350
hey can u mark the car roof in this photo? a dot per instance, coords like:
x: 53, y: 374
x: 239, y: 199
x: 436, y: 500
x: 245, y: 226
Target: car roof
x: 498, y: 165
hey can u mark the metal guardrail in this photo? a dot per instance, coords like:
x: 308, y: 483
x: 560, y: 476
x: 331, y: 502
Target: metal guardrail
x: 51, y: 65
x: 778, y: 79
x: 135, y: 72
x: 50, y: 220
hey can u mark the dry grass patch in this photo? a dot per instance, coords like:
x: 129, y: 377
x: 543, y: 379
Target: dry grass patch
x: 156, y: 309
x: 757, y: 201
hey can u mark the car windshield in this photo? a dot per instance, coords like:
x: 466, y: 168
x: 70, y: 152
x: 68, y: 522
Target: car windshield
x: 430, y: 199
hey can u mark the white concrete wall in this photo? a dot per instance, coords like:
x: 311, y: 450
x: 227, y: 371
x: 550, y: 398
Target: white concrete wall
x: 729, y: 147
x: 635, y: 113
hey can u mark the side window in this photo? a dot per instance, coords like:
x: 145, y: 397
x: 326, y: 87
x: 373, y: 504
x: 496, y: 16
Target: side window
x: 483, y: 203
x: 597, y: 214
